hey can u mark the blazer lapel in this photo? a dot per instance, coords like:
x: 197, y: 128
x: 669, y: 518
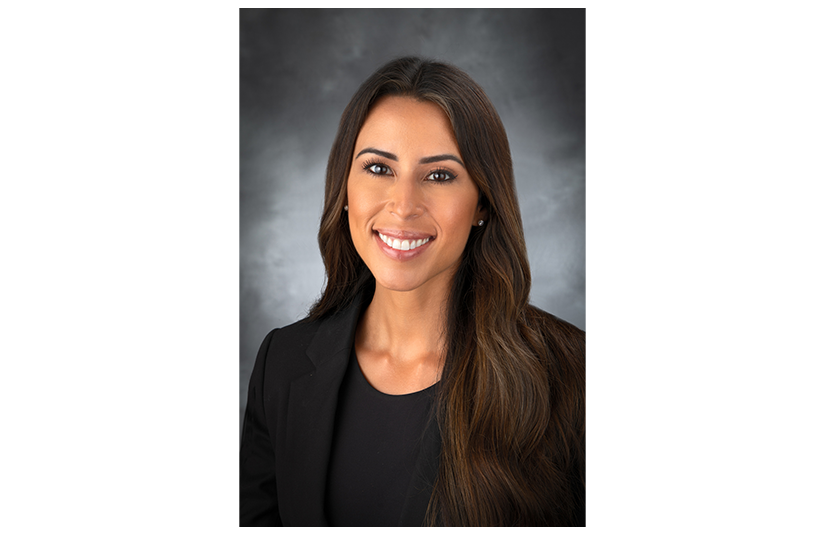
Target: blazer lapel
x: 313, y: 399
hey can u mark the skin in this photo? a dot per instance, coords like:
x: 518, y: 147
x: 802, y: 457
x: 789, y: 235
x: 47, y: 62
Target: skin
x: 407, y: 176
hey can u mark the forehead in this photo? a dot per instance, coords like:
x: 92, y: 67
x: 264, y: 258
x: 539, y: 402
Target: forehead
x: 407, y: 125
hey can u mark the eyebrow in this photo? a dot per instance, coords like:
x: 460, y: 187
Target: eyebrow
x: 428, y: 159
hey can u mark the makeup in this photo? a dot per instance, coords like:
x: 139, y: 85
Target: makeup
x: 401, y: 245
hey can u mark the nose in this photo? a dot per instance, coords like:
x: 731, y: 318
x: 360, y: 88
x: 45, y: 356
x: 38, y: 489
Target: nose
x: 405, y: 199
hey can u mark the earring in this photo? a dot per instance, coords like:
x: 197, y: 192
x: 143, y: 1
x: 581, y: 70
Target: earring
x: 346, y: 208
x: 480, y: 222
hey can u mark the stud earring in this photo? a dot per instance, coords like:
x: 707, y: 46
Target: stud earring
x: 346, y: 208
x: 480, y: 222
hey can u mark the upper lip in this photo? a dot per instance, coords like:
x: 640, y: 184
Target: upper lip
x: 404, y: 234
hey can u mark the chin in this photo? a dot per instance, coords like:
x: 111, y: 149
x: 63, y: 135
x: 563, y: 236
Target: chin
x: 398, y: 283
x: 407, y: 280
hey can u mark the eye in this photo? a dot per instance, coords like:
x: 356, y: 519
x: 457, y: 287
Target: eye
x: 377, y: 168
x: 440, y: 175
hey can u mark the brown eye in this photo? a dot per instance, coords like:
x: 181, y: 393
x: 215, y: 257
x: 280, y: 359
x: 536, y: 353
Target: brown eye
x: 440, y: 175
x: 378, y: 169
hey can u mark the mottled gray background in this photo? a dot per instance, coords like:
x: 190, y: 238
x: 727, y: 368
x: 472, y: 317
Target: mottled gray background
x: 298, y: 70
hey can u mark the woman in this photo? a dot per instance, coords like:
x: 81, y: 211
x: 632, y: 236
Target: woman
x: 422, y: 389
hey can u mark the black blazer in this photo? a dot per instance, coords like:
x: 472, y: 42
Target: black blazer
x: 289, y: 423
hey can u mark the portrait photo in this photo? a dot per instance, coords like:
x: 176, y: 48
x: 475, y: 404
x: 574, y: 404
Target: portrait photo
x: 299, y: 68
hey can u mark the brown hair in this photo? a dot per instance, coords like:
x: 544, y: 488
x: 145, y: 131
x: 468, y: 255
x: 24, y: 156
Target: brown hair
x: 511, y: 399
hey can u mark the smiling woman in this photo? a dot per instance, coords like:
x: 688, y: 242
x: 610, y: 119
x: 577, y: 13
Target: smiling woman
x: 411, y: 208
x: 423, y: 388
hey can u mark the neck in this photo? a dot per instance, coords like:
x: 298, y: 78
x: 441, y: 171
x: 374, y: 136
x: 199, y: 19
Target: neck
x: 405, y: 326
x: 400, y: 341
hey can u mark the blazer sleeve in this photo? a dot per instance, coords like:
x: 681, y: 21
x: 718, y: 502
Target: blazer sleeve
x: 258, y: 493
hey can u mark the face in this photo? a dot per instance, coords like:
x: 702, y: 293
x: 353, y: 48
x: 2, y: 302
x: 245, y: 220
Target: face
x: 411, y: 202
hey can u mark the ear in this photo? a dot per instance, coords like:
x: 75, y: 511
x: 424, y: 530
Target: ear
x: 481, y: 213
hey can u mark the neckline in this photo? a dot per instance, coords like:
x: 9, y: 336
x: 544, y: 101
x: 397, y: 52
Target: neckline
x: 363, y: 379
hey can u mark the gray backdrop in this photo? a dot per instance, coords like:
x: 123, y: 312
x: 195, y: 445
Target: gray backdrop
x: 298, y: 70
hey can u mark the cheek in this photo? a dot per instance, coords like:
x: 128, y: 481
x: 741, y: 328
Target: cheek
x: 360, y: 197
x: 354, y: 201
x: 360, y: 209
x: 456, y: 220
x: 363, y: 205
x: 460, y: 213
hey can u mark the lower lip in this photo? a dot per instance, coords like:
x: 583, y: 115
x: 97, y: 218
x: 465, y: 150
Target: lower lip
x: 395, y: 254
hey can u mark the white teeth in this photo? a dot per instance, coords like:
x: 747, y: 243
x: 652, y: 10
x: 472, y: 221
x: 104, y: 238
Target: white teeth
x: 402, y: 245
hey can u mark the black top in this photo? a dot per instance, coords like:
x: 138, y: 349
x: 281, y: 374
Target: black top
x: 376, y: 441
x: 290, y: 420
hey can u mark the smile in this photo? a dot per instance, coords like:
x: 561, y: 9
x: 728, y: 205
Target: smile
x: 402, y: 245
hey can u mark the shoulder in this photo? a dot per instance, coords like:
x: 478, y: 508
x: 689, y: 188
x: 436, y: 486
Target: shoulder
x: 559, y: 334
x: 564, y: 344
x: 563, y: 347
x: 283, y: 351
x: 295, y: 335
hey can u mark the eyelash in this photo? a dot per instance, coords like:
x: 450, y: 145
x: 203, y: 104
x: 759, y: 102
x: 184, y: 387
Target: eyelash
x: 439, y: 170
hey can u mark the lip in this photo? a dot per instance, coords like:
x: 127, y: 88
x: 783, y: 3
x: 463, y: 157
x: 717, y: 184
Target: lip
x: 403, y: 234
x: 395, y: 254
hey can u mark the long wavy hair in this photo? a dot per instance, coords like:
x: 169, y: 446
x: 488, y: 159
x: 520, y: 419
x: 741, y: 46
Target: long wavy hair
x: 510, y: 402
